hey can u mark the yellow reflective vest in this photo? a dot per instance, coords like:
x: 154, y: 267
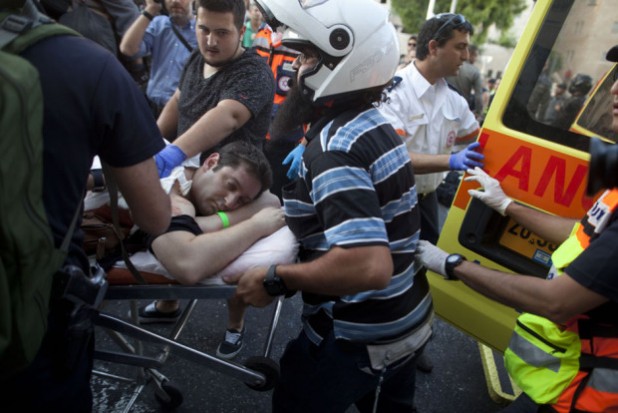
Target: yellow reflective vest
x: 572, y: 367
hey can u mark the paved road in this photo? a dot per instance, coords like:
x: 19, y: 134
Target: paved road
x: 457, y: 383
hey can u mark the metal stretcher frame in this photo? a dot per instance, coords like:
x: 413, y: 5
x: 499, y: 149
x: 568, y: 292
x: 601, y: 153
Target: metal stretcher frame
x: 258, y: 372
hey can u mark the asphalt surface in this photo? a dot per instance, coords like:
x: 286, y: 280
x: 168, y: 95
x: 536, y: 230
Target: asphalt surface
x: 457, y: 383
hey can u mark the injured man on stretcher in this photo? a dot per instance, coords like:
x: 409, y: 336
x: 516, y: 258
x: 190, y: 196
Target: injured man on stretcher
x: 224, y: 221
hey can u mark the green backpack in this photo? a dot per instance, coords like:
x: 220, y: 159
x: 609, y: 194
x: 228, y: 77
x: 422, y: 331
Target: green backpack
x: 28, y: 258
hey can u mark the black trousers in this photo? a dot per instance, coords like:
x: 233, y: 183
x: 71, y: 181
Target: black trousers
x: 58, y: 380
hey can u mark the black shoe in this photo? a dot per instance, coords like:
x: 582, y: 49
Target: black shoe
x: 424, y: 364
x: 149, y: 314
x: 231, y: 344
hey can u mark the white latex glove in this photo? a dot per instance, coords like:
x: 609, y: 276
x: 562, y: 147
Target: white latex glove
x: 431, y: 257
x: 492, y: 195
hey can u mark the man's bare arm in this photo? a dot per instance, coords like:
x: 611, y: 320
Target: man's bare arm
x: 149, y: 204
x: 552, y: 228
x: 558, y: 299
x: 340, y: 271
x: 213, y: 222
x: 192, y: 258
x: 168, y: 119
x: 425, y: 163
x: 214, y: 126
x: 131, y: 40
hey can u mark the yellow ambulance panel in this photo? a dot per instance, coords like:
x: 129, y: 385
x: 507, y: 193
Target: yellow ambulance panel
x: 538, y: 163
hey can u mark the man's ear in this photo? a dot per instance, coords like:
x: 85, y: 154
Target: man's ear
x: 432, y: 46
x: 211, y: 161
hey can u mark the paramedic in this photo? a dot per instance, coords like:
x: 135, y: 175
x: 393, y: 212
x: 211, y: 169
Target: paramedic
x: 580, y: 292
x: 431, y: 118
x: 353, y: 210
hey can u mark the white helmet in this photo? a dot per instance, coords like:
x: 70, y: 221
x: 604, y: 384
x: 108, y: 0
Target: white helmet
x: 358, y: 46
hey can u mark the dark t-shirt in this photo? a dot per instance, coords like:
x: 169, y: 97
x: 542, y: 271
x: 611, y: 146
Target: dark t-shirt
x: 597, y: 269
x: 247, y: 80
x: 91, y: 107
x: 184, y: 223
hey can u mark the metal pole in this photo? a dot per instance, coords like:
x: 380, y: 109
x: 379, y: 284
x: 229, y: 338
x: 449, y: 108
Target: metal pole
x: 453, y: 6
x: 430, y: 7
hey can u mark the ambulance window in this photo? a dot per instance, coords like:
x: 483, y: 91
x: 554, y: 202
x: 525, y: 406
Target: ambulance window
x: 596, y: 116
x: 562, y: 88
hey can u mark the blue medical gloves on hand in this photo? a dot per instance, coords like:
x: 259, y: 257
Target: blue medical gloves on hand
x: 467, y: 158
x: 295, y: 157
x: 170, y: 157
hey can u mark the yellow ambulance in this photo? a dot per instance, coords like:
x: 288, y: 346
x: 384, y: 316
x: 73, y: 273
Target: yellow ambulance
x: 539, y: 156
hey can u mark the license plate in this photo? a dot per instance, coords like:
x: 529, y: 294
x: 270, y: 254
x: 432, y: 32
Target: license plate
x: 527, y: 243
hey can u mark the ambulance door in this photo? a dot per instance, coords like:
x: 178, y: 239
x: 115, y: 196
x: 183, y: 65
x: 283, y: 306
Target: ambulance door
x: 540, y: 162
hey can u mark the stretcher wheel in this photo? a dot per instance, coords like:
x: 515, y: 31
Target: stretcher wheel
x: 268, y: 368
x: 168, y: 395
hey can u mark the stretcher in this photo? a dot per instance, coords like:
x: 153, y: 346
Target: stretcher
x: 258, y: 372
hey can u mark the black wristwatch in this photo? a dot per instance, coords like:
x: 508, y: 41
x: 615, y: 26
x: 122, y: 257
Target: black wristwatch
x: 273, y: 284
x: 452, y: 261
x: 148, y: 15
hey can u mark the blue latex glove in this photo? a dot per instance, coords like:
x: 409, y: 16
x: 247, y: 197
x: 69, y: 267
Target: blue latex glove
x: 295, y: 157
x: 170, y: 157
x: 467, y: 158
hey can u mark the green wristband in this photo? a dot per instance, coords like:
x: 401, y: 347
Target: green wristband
x: 225, y: 220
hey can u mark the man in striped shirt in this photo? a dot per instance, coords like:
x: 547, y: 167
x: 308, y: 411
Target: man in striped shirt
x: 367, y: 311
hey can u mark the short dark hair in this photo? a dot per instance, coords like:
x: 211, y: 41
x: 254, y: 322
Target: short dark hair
x: 249, y: 156
x: 435, y: 29
x: 236, y: 7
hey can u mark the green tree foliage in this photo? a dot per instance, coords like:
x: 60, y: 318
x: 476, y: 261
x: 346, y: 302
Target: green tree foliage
x: 481, y: 13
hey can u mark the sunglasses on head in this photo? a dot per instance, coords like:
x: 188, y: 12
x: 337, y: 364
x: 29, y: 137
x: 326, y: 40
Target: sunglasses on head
x: 453, y: 19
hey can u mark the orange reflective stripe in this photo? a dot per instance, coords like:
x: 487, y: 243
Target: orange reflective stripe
x: 582, y: 237
x: 563, y: 405
x: 590, y: 399
x: 469, y: 138
x: 600, y: 389
x: 610, y: 199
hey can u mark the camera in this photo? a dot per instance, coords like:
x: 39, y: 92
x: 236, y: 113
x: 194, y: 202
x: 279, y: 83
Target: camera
x: 603, y: 169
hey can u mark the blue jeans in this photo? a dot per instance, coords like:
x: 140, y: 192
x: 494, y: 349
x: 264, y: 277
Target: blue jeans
x: 333, y: 376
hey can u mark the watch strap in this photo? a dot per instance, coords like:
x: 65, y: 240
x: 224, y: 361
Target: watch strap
x: 274, y: 285
x: 147, y: 15
x: 452, y: 261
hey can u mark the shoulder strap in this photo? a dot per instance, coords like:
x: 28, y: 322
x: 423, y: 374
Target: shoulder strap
x: 18, y: 31
x: 181, y: 37
x: 112, y: 187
